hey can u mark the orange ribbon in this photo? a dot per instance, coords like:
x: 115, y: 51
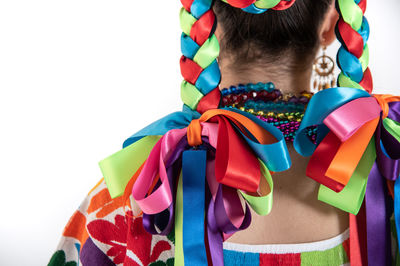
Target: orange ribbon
x: 334, y: 162
x: 384, y: 100
x: 242, y: 122
x: 235, y: 163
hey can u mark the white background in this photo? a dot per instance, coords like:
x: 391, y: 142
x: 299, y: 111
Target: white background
x: 76, y: 79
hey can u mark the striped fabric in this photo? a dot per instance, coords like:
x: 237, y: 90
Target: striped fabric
x: 334, y: 251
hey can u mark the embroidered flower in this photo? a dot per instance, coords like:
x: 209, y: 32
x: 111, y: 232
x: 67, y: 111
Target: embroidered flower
x: 58, y: 259
x: 130, y: 243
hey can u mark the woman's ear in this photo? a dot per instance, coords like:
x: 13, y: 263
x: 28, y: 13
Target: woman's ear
x: 327, y: 32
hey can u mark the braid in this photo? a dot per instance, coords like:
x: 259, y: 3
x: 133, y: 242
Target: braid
x: 352, y: 30
x: 200, y: 49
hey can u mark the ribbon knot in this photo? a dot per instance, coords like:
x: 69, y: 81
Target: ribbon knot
x: 356, y: 152
x: 232, y: 165
x: 235, y: 159
x: 237, y: 154
x: 194, y: 133
x: 384, y: 100
x: 346, y: 149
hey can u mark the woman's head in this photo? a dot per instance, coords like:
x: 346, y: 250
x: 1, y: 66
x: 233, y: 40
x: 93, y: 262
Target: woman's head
x: 290, y: 36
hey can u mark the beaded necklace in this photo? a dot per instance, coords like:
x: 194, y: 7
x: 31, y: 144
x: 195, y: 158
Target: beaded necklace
x: 284, y: 111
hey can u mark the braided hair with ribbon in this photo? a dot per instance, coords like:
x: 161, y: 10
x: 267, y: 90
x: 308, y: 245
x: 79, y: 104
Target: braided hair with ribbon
x: 200, y: 49
x: 352, y: 30
x: 356, y: 157
x: 190, y: 171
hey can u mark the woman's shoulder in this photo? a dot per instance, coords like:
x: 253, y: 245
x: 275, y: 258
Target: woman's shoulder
x: 106, y: 231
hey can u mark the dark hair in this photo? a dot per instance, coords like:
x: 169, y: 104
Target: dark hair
x: 273, y: 35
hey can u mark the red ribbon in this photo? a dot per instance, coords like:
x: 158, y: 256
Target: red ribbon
x: 235, y: 163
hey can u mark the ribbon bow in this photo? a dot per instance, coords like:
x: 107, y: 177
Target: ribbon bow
x: 349, y: 162
x: 187, y: 170
x: 201, y: 167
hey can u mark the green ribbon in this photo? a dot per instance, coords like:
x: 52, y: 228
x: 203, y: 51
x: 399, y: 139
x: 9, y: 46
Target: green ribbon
x: 208, y: 52
x: 345, y: 81
x: 190, y: 95
x: 179, y: 259
x: 351, y: 13
x: 393, y: 127
x: 352, y: 195
x: 261, y: 205
x: 118, y: 168
x: 187, y: 21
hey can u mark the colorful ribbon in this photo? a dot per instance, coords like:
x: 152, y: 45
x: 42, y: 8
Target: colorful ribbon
x: 232, y: 150
x: 352, y: 31
x: 226, y: 141
x: 200, y: 48
x: 356, y: 133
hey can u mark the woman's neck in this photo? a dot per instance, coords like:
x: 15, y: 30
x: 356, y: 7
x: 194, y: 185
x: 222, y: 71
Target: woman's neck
x: 285, y: 79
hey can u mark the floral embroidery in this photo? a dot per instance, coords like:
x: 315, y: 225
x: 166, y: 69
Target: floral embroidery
x: 125, y: 235
x: 112, y: 237
x: 104, y: 204
x: 58, y: 259
x: 140, y: 243
x: 111, y: 234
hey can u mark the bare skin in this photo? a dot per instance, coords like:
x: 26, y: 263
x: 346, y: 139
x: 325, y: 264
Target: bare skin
x: 297, y: 216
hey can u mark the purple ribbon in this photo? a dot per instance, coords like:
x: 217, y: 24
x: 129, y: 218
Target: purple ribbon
x: 378, y: 212
x: 388, y: 160
x: 162, y: 223
x: 388, y: 167
x: 214, y: 235
x: 377, y: 215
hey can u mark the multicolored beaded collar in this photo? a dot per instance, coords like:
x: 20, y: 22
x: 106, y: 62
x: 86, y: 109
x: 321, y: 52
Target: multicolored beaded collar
x: 266, y: 102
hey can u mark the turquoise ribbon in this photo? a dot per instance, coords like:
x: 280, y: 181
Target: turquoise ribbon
x: 321, y: 105
x: 175, y: 120
x: 193, y: 188
x: 397, y: 207
x: 275, y: 156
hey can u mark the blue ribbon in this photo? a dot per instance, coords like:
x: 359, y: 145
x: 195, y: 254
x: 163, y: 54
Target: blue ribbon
x: 189, y: 47
x: 350, y: 64
x: 199, y: 7
x: 175, y: 120
x: 397, y: 208
x: 275, y: 156
x: 253, y: 9
x: 209, y: 78
x: 193, y: 187
x: 316, y: 112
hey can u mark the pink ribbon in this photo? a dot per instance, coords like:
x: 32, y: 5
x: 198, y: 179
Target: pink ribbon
x: 161, y: 198
x: 347, y: 119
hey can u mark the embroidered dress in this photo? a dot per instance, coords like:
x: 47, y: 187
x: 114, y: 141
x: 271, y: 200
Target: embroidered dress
x: 101, y: 233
